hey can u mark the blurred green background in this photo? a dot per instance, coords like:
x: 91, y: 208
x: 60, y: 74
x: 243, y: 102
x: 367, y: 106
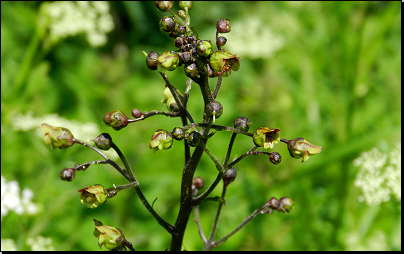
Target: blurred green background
x: 326, y: 71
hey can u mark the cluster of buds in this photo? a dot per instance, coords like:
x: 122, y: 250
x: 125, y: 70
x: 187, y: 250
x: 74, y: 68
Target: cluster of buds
x: 190, y: 48
x: 284, y: 205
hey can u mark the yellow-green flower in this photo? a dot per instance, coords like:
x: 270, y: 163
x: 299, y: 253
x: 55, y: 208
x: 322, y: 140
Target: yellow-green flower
x: 302, y: 148
x: 110, y: 237
x: 161, y: 140
x: 93, y: 196
x: 266, y: 137
x: 168, y: 61
x: 57, y: 137
x: 223, y: 62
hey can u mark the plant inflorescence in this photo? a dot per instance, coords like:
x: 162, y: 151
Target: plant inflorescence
x: 200, y: 62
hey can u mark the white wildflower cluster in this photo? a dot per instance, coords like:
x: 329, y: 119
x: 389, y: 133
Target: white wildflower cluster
x: 68, y: 18
x: 379, y: 175
x: 40, y: 243
x: 264, y: 44
x: 12, y: 200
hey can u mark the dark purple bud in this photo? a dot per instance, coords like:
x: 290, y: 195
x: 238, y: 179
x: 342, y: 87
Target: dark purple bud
x: 67, y: 174
x: 151, y: 60
x: 223, y: 26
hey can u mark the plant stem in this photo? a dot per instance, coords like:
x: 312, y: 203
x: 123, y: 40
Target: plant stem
x: 247, y: 220
x: 226, y: 160
x: 186, y: 192
x: 209, y: 243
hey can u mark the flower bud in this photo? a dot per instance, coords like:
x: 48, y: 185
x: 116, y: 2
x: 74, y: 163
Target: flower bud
x: 286, y: 204
x: 223, y: 62
x: 169, y: 100
x: 116, y: 119
x: 182, y: 13
x: 136, y: 113
x: 57, y: 137
x: 67, y: 174
x: 178, y: 42
x: 168, y: 61
x: 103, y: 141
x: 204, y: 48
x: 274, y: 203
x: 242, y: 123
x: 93, y: 196
x: 186, y: 57
x: 186, y: 4
x: 167, y: 24
x: 221, y: 41
x: 266, y: 137
x: 275, y: 158
x: 198, y: 182
x: 194, y: 138
x: 229, y: 176
x: 164, y: 5
x: 223, y: 26
x: 192, y: 71
x: 111, y: 237
x: 214, y: 109
x: 179, y: 29
x: 178, y: 133
x: 151, y: 60
x: 190, y: 39
x: 161, y: 140
x: 302, y: 148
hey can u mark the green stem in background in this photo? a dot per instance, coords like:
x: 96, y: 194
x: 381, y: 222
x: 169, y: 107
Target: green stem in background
x: 27, y: 61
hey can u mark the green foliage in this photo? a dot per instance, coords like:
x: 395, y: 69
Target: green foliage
x: 332, y: 74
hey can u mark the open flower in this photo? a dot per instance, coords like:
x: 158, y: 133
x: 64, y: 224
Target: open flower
x: 57, y: 137
x: 223, y: 62
x: 168, y: 61
x: 302, y: 148
x: 161, y: 140
x: 110, y: 237
x: 266, y: 137
x: 93, y: 196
